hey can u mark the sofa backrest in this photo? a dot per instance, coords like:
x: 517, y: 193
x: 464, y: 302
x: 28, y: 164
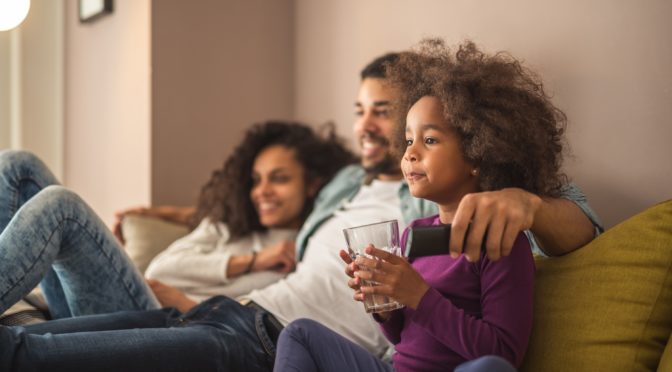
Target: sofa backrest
x: 148, y: 236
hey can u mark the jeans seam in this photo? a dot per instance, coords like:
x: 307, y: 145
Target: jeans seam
x: 263, y: 335
x: 17, y: 187
x: 107, y: 256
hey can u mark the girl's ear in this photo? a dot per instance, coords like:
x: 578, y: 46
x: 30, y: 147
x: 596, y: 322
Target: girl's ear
x: 314, y: 186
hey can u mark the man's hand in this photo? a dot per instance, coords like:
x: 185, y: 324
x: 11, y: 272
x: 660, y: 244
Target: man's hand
x: 170, y: 296
x: 280, y: 257
x: 496, y: 217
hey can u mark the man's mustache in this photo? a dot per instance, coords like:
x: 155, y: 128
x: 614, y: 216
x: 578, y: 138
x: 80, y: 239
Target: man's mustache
x: 374, y: 137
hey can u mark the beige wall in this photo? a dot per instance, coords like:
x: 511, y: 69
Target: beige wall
x: 158, y: 92
x: 107, y: 107
x: 42, y: 90
x: 4, y: 89
x: 608, y: 65
x: 31, y: 84
x: 218, y: 66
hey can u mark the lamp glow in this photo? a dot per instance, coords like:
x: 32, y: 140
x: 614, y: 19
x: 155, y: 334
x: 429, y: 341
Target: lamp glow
x: 12, y: 13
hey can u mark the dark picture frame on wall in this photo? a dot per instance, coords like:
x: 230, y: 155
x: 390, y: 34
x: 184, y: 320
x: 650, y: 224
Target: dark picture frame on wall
x: 90, y: 10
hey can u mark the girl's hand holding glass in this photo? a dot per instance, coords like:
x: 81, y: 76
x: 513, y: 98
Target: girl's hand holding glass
x: 396, y: 277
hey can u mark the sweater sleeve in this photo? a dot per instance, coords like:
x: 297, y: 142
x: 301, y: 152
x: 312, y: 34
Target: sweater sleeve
x: 200, y: 258
x: 392, y: 327
x: 507, y: 288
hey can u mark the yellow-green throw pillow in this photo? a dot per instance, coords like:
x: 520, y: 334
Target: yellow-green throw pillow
x: 666, y: 360
x: 608, y: 305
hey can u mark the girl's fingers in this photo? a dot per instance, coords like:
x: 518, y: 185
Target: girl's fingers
x: 383, y: 255
x: 345, y: 256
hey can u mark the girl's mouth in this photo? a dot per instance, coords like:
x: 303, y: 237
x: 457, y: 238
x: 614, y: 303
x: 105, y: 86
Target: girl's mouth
x: 414, y: 176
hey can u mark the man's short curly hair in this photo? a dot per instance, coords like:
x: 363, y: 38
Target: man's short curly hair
x: 506, y: 123
x: 226, y: 196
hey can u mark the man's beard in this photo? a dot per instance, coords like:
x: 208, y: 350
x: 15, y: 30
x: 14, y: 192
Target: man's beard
x: 389, y: 165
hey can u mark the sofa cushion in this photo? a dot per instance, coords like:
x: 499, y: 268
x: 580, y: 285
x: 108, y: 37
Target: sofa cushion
x: 666, y: 361
x: 608, y: 305
x: 148, y: 236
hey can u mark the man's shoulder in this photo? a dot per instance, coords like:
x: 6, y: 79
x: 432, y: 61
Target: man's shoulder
x: 355, y: 171
x: 347, y: 178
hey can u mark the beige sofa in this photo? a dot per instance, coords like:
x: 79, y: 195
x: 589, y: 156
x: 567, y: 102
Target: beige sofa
x: 605, y: 307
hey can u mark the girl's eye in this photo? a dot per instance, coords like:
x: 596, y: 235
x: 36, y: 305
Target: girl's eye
x: 359, y: 113
x: 430, y: 140
x: 409, y: 142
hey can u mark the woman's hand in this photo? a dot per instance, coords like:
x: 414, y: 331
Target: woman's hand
x: 280, y: 257
x: 170, y: 296
x: 396, y: 277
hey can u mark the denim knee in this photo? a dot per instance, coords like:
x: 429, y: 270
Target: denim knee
x: 60, y: 195
x: 18, y: 158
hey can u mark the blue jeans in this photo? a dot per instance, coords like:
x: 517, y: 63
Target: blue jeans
x: 48, y: 232
x: 217, y: 335
x: 306, y: 346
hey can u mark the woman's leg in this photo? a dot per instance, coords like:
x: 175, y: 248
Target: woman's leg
x: 121, y: 320
x: 121, y: 348
x: 306, y: 345
x: 55, y: 227
x: 22, y: 175
x: 218, y: 335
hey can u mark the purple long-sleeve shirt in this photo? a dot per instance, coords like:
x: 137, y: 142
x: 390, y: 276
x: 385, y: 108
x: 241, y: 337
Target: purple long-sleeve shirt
x: 470, y: 310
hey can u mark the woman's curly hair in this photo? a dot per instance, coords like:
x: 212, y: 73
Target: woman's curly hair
x: 506, y: 123
x: 226, y: 196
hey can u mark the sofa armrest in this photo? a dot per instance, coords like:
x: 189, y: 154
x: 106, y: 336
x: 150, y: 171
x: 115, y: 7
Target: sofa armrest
x: 146, y: 237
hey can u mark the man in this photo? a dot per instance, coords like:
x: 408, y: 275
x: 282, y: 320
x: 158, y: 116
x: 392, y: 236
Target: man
x: 224, y: 334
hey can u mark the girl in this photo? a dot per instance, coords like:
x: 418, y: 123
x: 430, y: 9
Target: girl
x: 259, y: 199
x: 474, y: 123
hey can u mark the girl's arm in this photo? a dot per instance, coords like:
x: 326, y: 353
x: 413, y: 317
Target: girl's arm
x: 506, y: 301
x: 391, y: 324
x: 507, y: 289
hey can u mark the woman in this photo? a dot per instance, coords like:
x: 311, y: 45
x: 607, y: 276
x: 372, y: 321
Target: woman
x: 257, y: 202
x: 474, y: 123
x: 251, y: 244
